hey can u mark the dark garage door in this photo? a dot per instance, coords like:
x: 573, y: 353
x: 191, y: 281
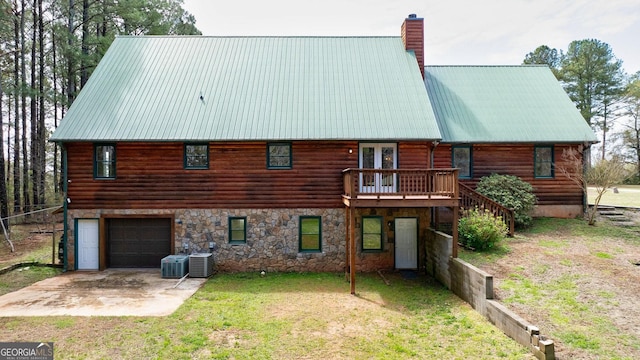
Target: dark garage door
x: 138, y: 242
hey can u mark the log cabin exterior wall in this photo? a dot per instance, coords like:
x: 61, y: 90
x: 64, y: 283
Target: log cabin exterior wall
x: 559, y: 196
x: 151, y: 182
x: 152, y: 175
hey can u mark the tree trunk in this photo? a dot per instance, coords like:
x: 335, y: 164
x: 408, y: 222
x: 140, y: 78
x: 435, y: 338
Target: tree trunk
x: 34, y: 174
x: 637, y: 145
x: 23, y: 99
x: 56, y: 183
x: 17, y: 185
x: 42, y: 158
x: 4, y: 209
x: 84, y: 74
x: 71, y: 78
x: 604, y: 130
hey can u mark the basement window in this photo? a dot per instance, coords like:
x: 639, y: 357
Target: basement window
x: 237, y: 230
x: 371, y: 233
x: 310, y: 239
x: 543, y: 162
x: 104, y: 161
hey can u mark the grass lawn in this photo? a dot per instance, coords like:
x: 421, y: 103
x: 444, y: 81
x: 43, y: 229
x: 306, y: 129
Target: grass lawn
x: 627, y: 195
x: 578, y: 283
x: 285, y: 316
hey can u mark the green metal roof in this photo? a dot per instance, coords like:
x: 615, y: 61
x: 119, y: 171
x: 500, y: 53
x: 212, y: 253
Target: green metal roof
x: 252, y: 88
x: 499, y: 104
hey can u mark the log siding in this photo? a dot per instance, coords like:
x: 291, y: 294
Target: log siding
x: 152, y: 175
x: 518, y: 160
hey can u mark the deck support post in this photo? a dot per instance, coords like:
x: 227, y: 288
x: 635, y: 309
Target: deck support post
x: 352, y: 250
x: 347, y: 216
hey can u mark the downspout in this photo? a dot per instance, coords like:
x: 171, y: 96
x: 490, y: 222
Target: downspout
x: 65, y: 231
x: 435, y: 145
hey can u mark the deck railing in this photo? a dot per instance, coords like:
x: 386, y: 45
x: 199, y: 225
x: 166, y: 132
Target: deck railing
x: 404, y: 183
x: 470, y: 199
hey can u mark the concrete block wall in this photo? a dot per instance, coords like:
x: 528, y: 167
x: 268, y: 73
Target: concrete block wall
x: 471, y: 284
x: 476, y: 287
x: 438, y: 254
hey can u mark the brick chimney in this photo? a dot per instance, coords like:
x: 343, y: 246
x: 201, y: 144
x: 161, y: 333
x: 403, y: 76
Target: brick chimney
x: 412, y: 31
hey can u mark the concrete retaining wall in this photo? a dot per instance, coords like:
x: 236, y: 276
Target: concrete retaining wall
x: 438, y: 249
x: 476, y: 287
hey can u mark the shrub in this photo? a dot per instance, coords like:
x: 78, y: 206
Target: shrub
x: 512, y: 192
x: 480, y: 230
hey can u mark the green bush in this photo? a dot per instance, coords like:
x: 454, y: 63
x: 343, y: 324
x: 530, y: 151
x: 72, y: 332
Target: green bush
x: 513, y: 193
x: 480, y: 230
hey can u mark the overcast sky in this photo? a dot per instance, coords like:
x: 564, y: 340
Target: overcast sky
x: 457, y: 32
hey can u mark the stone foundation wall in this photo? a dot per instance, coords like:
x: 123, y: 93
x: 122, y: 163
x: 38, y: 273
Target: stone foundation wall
x: 272, y: 237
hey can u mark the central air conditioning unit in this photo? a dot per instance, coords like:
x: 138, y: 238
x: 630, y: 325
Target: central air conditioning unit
x: 174, y: 266
x: 200, y: 265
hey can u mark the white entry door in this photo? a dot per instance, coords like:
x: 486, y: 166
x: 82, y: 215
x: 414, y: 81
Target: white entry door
x: 377, y: 156
x: 88, y: 244
x: 406, y: 231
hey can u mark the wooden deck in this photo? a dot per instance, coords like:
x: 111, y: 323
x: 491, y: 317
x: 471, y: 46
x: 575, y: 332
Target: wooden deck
x: 400, y: 188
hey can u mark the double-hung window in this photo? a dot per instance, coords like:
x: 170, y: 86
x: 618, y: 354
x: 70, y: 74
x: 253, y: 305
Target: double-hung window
x: 237, y: 230
x: 371, y: 233
x: 104, y: 161
x: 543, y: 162
x: 310, y: 239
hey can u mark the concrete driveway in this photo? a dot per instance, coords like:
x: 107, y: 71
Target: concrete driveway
x: 113, y: 292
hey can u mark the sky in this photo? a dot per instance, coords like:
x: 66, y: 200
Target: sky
x: 457, y: 32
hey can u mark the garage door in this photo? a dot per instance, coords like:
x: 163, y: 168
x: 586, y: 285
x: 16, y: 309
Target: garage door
x: 138, y: 242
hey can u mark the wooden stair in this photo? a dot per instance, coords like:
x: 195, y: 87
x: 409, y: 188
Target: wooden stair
x: 470, y: 199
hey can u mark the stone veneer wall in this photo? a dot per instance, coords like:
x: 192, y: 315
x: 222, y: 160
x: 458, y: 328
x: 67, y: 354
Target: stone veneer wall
x: 272, y: 237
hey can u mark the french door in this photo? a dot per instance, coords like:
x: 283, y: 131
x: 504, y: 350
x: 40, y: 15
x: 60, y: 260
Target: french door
x: 378, y: 156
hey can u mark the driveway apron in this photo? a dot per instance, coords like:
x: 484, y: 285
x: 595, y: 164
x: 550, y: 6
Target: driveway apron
x: 113, y: 292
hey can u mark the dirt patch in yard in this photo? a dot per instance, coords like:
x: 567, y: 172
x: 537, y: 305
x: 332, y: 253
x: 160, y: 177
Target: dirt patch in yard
x: 567, y: 284
x: 32, y: 242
